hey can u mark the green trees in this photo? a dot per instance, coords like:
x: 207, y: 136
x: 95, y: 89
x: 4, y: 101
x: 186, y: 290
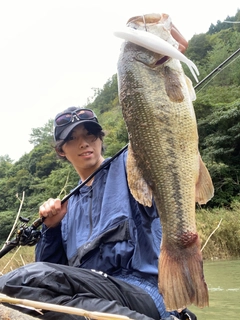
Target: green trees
x: 220, y: 146
x: 43, y: 134
x: 217, y: 109
x: 106, y: 105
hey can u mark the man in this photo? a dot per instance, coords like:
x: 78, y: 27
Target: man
x: 99, y: 250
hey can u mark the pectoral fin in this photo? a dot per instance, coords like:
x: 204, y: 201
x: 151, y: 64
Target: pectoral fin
x: 138, y: 186
x: 204, y: 186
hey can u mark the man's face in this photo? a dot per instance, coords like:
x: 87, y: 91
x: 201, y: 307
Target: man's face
x: 83, y: 149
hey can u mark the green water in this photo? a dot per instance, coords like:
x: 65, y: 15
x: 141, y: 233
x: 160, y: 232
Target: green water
x: 223, y: 279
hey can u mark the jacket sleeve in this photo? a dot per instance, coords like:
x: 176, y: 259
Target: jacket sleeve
x: 50, y: 246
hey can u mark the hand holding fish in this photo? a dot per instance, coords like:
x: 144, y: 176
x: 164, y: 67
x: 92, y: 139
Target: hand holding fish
x: 183, y: 43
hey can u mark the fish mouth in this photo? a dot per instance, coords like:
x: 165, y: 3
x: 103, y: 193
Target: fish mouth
x: 162, y: 60
x: 156, y: 44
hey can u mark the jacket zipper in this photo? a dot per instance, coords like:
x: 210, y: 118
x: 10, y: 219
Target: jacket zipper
x: 90, y: 213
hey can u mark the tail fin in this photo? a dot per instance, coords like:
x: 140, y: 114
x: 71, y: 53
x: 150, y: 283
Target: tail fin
x: 181, y: 279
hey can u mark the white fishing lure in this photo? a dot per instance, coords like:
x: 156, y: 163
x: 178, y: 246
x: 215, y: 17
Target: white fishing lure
x: 154, y: 43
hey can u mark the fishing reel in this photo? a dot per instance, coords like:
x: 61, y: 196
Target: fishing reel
x: 28, y: 235
x: 25, y: 235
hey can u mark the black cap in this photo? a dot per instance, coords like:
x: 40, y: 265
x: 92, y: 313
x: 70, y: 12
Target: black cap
x: 62, y: 131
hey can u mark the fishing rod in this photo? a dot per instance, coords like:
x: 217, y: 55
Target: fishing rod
x: 29, y: 235
x: 218, y: 68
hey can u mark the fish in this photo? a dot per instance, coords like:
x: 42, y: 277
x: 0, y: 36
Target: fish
x: 163, y: 163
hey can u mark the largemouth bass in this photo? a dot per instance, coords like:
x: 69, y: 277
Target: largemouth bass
x: 163, y: 160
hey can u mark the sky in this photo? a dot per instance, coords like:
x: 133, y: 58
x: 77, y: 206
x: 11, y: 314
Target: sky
x: 54, y: 53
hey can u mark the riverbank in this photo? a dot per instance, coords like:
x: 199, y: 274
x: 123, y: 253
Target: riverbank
x: 223, y: 228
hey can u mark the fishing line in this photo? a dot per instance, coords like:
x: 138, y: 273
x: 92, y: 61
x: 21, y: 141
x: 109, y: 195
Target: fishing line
x: 231, y: 21
x: 144, y: 21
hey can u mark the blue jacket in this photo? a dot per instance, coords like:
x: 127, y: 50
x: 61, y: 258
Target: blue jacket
x: 106, y: 229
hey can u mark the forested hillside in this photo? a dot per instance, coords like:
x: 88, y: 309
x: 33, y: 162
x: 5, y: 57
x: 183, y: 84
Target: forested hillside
x: 40, y: 174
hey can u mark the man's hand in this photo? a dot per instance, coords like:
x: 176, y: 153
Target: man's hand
x: 53, y: 212
x: 183, y: 44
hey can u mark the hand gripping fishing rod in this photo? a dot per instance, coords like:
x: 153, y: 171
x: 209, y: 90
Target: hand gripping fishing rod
x: 29, y: 235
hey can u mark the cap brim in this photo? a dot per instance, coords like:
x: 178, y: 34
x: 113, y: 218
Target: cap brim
x: 63, y: 135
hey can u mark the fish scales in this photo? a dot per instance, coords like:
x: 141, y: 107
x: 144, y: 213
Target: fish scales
x: 162, y: 128
x: 159, y: 127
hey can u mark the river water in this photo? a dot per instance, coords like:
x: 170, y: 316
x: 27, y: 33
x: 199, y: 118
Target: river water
x: 223, y: 279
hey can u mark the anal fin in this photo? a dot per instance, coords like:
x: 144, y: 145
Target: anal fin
x: 204, y: 186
